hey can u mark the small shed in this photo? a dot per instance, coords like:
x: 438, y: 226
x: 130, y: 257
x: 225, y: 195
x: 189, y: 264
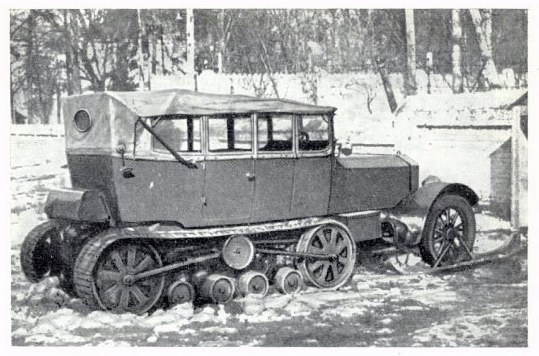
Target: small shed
x: 509, y: 169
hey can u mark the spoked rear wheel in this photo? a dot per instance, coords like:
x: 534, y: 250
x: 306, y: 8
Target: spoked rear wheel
x: 335, y: 241
x: 449, y: 233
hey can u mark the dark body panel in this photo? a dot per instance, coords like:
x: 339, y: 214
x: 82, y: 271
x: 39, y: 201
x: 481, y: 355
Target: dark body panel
x: 312, y: 178
x: 369, y: 182
x: 228, y: 191
x: 273, y: 188
x: 94, y: 172
x: 160, y: 190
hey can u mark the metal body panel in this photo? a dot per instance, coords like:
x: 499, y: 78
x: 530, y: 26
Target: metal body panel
x: 364, y: 226
x: 94, y: 172
x: 228, y: 190
x: 273, y: 189
x: 419, y: 203
x: 160, y: 191
x: 369, y: 182
x: 80, y: 205
x: 312, y: 181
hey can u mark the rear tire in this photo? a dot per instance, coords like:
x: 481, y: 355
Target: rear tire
x: 39, y: 255
x: 450, y: 224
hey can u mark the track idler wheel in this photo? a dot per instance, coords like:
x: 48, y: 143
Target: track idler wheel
x: 180, y: 292
x: 216, y: 288
x: 288, y: 281
x: 105, y: 275
x: 253, y: 283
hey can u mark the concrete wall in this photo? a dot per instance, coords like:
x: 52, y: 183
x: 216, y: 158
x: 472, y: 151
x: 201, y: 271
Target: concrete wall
x: 453, y: 136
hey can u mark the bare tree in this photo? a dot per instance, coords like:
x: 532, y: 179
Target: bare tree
x: 456, y: 35
x: 190, y: 31
x: 482, y: 20
x: 410, y: 84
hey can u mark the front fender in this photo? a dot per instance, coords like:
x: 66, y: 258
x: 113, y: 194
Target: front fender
x: 79, y: 205
x: 412, y: 211
x: 421, y: 200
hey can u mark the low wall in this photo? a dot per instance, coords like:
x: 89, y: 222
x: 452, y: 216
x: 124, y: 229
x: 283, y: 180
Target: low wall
x: 452, y: 136
x: 37, y: 130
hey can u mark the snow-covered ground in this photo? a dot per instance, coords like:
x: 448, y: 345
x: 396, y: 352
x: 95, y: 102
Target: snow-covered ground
x: 486, y: 306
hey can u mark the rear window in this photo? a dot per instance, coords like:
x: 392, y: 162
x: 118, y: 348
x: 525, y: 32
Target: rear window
x: 230, y: 134
x: 182, y: 134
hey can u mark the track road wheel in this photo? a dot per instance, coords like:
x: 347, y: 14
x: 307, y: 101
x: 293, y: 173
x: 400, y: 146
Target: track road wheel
x: 253, y: 283
x: 180, y: 292
x: 38, y: 254
x: 449, y: 233
x: 288, y: 281
x: 105, y: 276
x: 332, y: 240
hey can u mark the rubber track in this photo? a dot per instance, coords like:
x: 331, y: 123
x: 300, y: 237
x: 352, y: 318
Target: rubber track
x: 86, y: 261
x: 28, y: 249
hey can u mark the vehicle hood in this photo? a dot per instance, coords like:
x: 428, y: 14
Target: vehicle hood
x: 374, y: 161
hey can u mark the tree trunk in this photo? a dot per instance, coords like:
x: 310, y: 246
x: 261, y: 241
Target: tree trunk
x: 190, y: 32
x: 410, y: 85
x: 482, y: 20
x: 12, y: 106
x: 58, y: 104
x: 72, y: 62
x: 140, y: 55
x: 154, y: 53
x: 387, y: 85
x: 162, y: 40
x: 30, y: 68
x: 456, y: 34
x: 221, y: 53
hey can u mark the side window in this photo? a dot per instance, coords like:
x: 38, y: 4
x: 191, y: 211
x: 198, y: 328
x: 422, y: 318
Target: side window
x: 275, y: 133
x: 230, y: 134
x: 313, y: 133
x: 182, y: 134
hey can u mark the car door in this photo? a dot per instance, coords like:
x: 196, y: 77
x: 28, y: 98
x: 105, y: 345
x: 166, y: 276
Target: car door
x: 274, y: 167
x: 228, y: 170
x: 312, y: 173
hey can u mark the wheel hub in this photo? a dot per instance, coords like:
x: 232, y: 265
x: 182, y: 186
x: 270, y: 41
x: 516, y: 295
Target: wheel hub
x: 129, y: 279
x: 450, y: 234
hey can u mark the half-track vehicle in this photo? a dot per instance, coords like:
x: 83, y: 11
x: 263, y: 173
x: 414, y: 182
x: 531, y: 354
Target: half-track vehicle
x: 178, y: 196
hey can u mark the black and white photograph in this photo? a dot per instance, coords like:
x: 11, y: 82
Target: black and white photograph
x: 219, y: 176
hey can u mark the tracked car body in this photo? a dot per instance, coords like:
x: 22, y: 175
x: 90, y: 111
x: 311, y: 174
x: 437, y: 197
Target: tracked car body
x: 177, y: 195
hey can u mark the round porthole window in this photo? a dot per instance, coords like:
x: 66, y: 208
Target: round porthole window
x: 82, y: 120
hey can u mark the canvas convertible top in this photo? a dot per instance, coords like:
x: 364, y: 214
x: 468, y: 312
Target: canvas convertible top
x: 185, y: 102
